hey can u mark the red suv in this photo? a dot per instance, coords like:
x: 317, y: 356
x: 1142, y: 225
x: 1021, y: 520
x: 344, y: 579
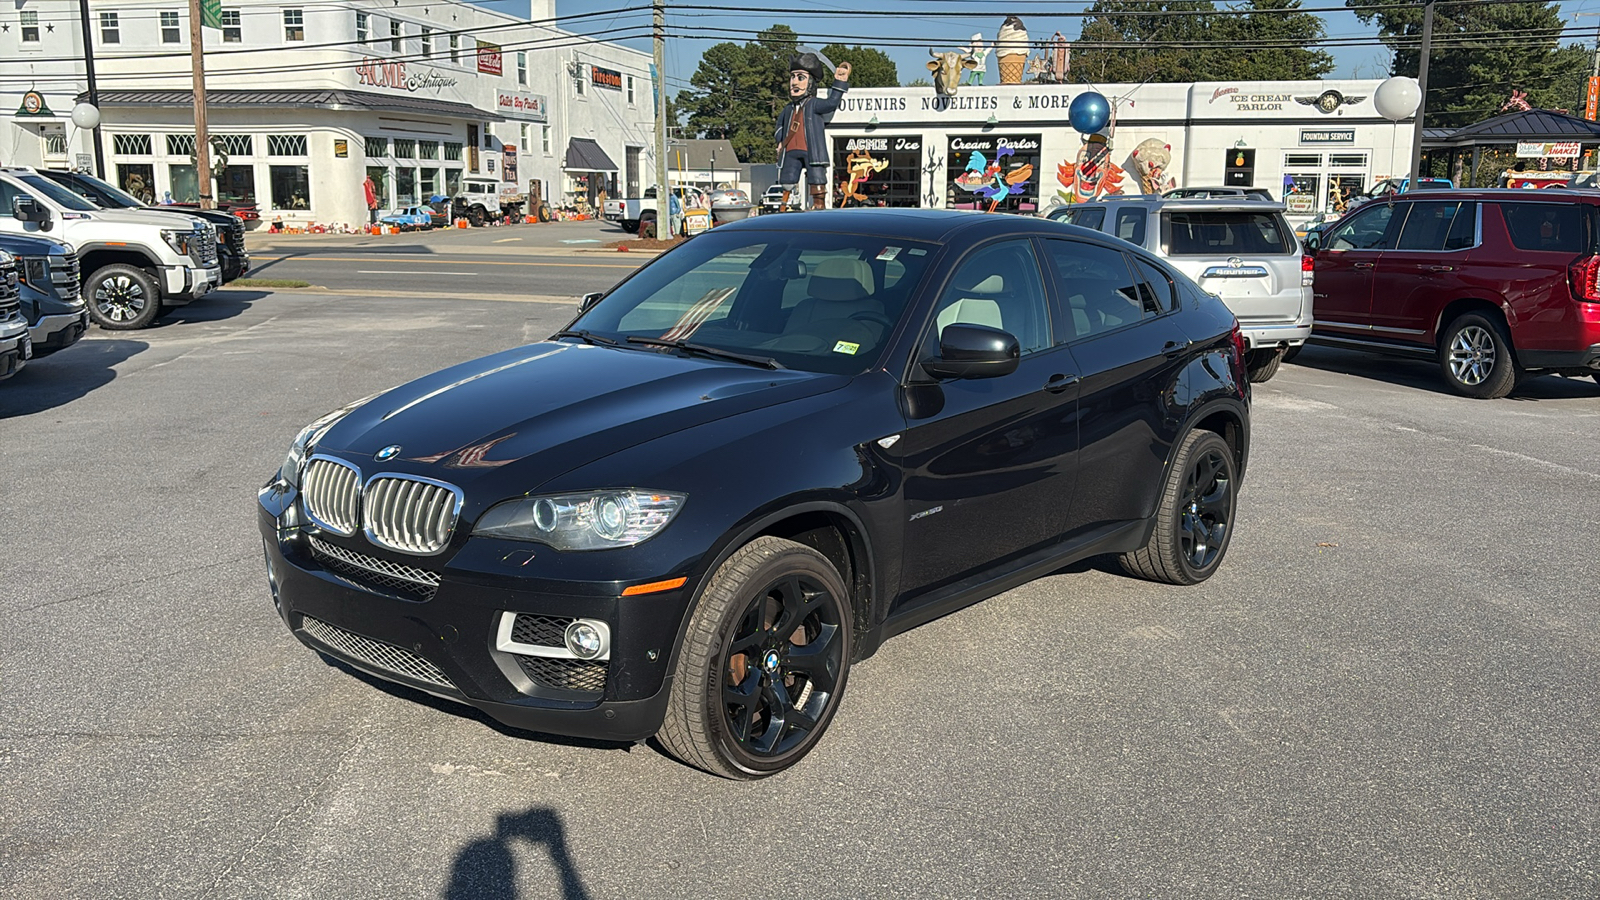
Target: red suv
x: 1494, y: 284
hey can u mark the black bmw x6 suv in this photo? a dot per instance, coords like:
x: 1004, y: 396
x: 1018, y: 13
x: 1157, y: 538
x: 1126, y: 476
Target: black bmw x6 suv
x: 739, y: 471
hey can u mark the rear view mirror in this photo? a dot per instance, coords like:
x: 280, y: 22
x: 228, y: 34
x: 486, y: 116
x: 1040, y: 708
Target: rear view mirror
x: 974, y: 351
x: 589, y: 300
x: 27, y: 209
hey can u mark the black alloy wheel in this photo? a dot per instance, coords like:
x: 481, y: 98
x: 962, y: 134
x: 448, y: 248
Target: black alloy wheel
x: 1194, y: 523
x: 123, y: 297
x: 764, y: 663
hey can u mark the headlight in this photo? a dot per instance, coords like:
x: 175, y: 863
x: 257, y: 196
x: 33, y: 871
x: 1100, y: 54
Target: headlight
x: 598, y: 520
x: 300, y: 447
x: 178, y: 241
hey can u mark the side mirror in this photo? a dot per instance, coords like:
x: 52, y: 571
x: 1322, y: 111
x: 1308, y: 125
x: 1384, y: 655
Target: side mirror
x: 589, y: 300
x: 974, y: 351
x: 1313, y: 241
x: 27, y: 209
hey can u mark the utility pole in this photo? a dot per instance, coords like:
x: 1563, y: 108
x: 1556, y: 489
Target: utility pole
x: 1422, y: 83
x: 202, y: 142
x: 94, y: 90
x: 663, y: 189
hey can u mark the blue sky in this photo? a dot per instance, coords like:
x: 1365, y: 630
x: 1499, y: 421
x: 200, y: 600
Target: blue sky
x: 833, y: 17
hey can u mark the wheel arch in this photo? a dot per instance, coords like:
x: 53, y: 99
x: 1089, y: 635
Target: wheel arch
x: 1463, y: 305
x: 93, y: 257
x: 827, y: 526
x: 1229, y: 420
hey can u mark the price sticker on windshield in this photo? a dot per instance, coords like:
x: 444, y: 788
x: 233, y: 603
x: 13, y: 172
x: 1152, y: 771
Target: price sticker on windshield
x: 888, y: 253
x: 846, y: 347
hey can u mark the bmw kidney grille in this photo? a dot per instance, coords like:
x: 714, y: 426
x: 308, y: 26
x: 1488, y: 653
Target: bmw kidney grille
x: 410, y: 514
x: 332, y: 492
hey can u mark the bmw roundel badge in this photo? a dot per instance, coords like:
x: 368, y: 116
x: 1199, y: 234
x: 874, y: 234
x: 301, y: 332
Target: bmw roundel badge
x: 387, y: 453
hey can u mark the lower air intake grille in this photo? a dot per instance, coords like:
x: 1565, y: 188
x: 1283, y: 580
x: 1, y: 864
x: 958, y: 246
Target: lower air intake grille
x: 543, y: 631
x: 379, y: 655
x: 408, y: 580
x: 566, y: 674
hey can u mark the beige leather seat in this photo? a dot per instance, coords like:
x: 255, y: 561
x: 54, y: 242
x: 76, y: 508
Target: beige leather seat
x: 973, y: 307
x: 839, y: 288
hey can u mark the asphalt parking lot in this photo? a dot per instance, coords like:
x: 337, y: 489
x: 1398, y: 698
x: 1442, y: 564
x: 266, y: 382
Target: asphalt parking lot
x: 1387, y: 691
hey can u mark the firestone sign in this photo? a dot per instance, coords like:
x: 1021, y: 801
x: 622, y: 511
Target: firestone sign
x: 518, y: 105
x: 384, y: 74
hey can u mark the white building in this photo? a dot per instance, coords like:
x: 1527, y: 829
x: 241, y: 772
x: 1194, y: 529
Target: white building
x: 1295, y: 138
x: 305, y: 101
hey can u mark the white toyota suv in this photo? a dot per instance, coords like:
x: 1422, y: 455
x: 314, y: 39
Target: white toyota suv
x: 136, y: 262
x: 1237, y: 248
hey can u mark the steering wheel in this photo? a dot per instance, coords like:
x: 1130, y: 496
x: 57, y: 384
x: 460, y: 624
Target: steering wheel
x: 868, y: 315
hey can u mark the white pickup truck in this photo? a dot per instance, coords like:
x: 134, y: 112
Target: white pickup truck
x: 138, y: 262
x: 634, y: 214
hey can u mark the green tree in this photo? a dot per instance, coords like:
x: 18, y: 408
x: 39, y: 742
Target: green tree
x: 738, y: 91
x: 1481, y: 53
x: 1251, y: 41
x: 869, y: 66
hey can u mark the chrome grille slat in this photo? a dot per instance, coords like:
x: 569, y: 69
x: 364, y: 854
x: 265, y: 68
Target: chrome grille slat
x: 377, y: 654
x: 412, y: 515
x: 331, y: 492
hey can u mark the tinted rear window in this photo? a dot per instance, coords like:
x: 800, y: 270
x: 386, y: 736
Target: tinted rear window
x: 1550, y: 227
x: 1227, y: 234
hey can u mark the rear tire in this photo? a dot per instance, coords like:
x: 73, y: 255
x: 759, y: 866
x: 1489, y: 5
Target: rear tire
x: 1476, y: 358
x: 764, y: 662
x: 631, y: 226
x: 1194, y: 523
x: 1292, y: 352
x: 122, y: 297
x: 1263, y: 364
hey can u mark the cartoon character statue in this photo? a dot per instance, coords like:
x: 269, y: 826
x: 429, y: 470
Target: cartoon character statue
x: 1151, y: 159
x: 861, y: 165
x: 1093, y: 176
x: 802, y: 147
x: 979, y: 55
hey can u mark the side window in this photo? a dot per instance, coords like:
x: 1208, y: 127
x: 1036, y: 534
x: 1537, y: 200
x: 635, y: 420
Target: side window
x: 1098, y: 289
x: 1463, y: 229
x: 1548, y: 226
x: 1366, y: 230
x: 1427, y: 226
x: 1089, y: 218
x: 1159, y: 293
x: 1130, y: 225
x: 7, y: 192
x: 998, y: 286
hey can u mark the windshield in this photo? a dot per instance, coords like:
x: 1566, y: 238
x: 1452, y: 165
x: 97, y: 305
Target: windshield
x: 96, y: 191
x: 816, y: 302
x: 57, y: 193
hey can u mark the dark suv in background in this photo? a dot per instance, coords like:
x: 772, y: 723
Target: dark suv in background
x: 1496, y: 285
x: 231, y: 255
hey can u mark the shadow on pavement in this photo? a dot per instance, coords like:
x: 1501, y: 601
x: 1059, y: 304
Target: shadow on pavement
x: 486, y: 869
x: 213, y: 307
x: 1424, y: 374
x: 64, y: 376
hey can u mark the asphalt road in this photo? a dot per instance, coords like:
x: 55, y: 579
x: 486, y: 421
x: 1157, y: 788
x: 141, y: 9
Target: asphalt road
x: 1387, y: 691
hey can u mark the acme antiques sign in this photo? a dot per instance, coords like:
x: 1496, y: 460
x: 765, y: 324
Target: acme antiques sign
x: 384, y: 74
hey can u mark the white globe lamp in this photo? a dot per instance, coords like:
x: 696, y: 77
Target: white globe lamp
x: 86, y: 115
x: 1397, y: 98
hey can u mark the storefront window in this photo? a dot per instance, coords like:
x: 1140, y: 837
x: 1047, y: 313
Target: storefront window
x: 452, y: 182
x: 380, y: 184
x: 291, y: 187
x: 877, y: 171
x: 405, y: 186
x: 1302, y: 192
x: 405, y: 148
x: 452, y: 151
x: 427, y: 150
x: 377, y: 146
x: 238, y: 185
x: 185, y: 187
x: 430, y: 183
x: 994, y: 173
x: 139, y: 180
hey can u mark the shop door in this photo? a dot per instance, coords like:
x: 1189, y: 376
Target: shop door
x: 1342, y: 296
x: 632, y: 172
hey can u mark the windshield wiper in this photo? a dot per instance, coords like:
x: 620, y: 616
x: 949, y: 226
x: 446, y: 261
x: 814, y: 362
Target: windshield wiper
x: 586, y: 336
x: 765, y: 362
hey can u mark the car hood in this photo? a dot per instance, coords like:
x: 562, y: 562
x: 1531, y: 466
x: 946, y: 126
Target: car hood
x: 170, y: 220
x: 535, y: 412
x: 33, y: 245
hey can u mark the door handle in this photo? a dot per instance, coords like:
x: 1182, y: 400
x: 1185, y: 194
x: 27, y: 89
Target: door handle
x: 1361, y: 265
x: 1437, y: 268
x: 1173, y: 348
x: 1059, y: 383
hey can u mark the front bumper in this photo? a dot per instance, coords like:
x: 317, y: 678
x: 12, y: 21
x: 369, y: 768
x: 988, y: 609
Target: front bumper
x: 185, y: 284
x: 16, y: 348
x: 448, y: 643
x: 58, y: 332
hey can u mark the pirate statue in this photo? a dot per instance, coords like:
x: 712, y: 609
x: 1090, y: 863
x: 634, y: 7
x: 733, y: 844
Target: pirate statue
x: 801, y: 146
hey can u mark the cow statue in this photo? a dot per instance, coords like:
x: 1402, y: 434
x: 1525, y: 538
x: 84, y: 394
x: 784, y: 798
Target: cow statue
x: 947, y: 69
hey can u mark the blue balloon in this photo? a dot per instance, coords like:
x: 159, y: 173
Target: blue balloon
x: 1089, y: 112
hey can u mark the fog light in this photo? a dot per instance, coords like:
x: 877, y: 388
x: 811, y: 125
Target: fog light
x: 584, y: 640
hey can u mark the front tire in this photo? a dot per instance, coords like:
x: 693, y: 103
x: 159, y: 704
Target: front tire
x: 1263, y: 364
x: 478, y: 217
x: 764, y: 662
x: 123, y: 297
x: 1194, y: 523
x: 1475, y: 357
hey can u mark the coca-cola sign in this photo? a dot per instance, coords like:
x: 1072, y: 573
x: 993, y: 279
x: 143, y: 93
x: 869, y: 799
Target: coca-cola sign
x: 385, y: 74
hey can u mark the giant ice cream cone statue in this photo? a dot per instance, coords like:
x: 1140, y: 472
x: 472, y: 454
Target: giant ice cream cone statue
x: 1011, y: 49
